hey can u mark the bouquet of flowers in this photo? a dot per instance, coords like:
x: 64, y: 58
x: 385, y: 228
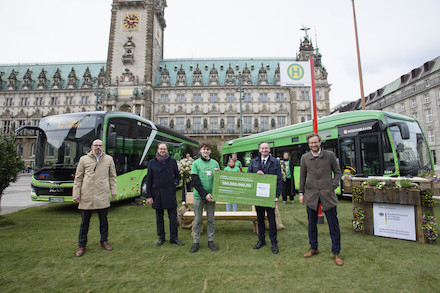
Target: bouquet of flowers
x: 429, y: 226
x: 185, y: 168
x: 358, y: 219
x: 283, y: 169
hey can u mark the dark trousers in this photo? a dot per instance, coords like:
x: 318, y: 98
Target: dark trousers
x: 85, y: 221
x: 262, y: 225
x: 172, y: 216
x: 287, y: 189
x: 333, y: 225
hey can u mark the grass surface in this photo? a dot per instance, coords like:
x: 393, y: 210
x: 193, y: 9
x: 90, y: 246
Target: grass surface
x: 38, y: 246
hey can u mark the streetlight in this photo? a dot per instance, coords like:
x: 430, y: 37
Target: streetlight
x: 240, y: 77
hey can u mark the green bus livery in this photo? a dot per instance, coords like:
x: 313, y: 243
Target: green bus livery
x: 130, y: 139
x: 366, y: 143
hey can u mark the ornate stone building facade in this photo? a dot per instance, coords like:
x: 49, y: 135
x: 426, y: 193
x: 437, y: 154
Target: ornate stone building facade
x: 415, y: 94
x: 197, y: 97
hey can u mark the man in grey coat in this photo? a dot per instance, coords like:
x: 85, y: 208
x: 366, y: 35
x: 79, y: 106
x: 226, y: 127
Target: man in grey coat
x: 319, y: 177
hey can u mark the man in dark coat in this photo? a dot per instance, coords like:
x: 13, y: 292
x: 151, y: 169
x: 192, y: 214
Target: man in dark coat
x: 319, y: 177
x: 162, y: 178
x: 266, y: 164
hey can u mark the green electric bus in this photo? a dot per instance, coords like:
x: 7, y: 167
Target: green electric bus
x: 130, y: 139
x: 366, y: 143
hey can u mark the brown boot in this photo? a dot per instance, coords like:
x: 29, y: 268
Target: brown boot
x: 106, y: 246
x: 80, y: 251
x: 338, y: 260
x: 311, y: 253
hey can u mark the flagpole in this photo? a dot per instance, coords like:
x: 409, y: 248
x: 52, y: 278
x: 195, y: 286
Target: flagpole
x: 315, y: 116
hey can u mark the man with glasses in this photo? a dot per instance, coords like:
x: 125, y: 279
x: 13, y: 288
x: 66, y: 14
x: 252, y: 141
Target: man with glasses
x: 319, y: 177
x: 95, y: 180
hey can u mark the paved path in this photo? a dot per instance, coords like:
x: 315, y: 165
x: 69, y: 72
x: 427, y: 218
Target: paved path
x: 18, y: 195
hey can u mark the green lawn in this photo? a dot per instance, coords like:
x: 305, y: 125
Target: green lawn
x: 38, y: 246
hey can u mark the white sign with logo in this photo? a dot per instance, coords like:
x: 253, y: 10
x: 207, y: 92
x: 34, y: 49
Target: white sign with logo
x: 295, y: 74
x: 394, y: 220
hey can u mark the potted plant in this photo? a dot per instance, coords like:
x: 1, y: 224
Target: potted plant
x: 409, y: 192
x: 429, y: 227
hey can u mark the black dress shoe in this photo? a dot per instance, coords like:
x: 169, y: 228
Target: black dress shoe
x: 259, y: 244
x: 177, y: 242
x: 275, y: 248
x: 160, y: 242
x: 194, y: 248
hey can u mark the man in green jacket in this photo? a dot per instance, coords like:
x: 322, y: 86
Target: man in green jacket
x: 95, y: 180
x: 202, y: 178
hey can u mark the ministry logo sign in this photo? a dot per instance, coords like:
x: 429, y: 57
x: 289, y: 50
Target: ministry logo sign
x: 295, y: 74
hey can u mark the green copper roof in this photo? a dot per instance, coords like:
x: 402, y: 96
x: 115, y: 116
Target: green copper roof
x: 50, y: 69
x: 221, y: 65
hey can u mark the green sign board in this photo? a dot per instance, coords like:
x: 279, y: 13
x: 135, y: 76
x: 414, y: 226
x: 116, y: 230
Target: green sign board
x: 245, y: 188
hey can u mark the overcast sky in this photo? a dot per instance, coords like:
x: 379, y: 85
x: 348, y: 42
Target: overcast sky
x: 395, y: 35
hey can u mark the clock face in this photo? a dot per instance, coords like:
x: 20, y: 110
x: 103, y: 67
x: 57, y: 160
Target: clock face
x: 130, y: 21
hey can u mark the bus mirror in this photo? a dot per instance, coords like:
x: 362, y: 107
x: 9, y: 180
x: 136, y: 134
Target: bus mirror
x: 111, y: 141
x: 403, y: 128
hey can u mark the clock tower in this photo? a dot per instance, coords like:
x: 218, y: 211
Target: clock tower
x: 306, y: 47
x: 134, y: 51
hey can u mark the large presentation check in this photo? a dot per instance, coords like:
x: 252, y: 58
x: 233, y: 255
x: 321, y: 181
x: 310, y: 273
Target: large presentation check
x: 244, y: 188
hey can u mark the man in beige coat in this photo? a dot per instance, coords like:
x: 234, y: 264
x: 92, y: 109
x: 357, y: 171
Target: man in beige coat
x: 95, y: 180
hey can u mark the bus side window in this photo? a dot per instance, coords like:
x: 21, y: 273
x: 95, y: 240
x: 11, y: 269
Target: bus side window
x: 388, y: 157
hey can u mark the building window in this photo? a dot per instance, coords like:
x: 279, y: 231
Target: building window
x: 426, y: 98
x: 264, y: 123
x: 263, y: 97
x: 214, y: 124
x: 85, y: 100
x: 309, y: 117
x: 25, y: 101
x: 414, y: 88
x: 54, y: 100
x: 305, y: 95
x: 247, y: 97
x: 413, y: 103
x: 213, y: 97
x: 427, y: 82
x: 428, y: 115
x: 247, y: 124
x: 164, y: 98
x: 280, y: 97
x: 180, y: 98
x: 281, y: 121
x: 6, y: 126
x: 20, y: 150
x: 317, y: 95
x: 9, y: 101
x: 197, y: 98
x: 431, y: 136
x: 230, y: 124
x: 39, y: 101
x: 163, y: 121
x: 434, y: 157
x: 416, y: 115
x: 180, y: 124
x: 197, y: 124
x: 402, y: 107
x: 70, y: 101
x: 229, y: 97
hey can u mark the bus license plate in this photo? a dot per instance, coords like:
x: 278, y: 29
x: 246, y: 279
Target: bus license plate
x: 56, y: 199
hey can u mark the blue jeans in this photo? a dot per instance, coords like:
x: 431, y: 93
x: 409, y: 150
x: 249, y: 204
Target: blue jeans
x: 333, y: 225
x: 228, y: 207
x: 84, y: 228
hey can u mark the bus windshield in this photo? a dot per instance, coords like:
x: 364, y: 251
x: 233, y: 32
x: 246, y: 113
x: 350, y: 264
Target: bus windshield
x: 65, y: 139
x: 412, y: 153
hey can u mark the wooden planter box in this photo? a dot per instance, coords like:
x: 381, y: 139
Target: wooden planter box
x: 392, y: 195
x: 435, y: 188
x: 347, y: 186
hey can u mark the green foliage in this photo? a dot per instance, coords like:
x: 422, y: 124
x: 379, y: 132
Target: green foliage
x: 390, y: 184
x: 406, y: 184
x: 373, y: 182
x: 429, y: 226
x: 426, y: 197
x: 357, y: 193
x: 10, y: 162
